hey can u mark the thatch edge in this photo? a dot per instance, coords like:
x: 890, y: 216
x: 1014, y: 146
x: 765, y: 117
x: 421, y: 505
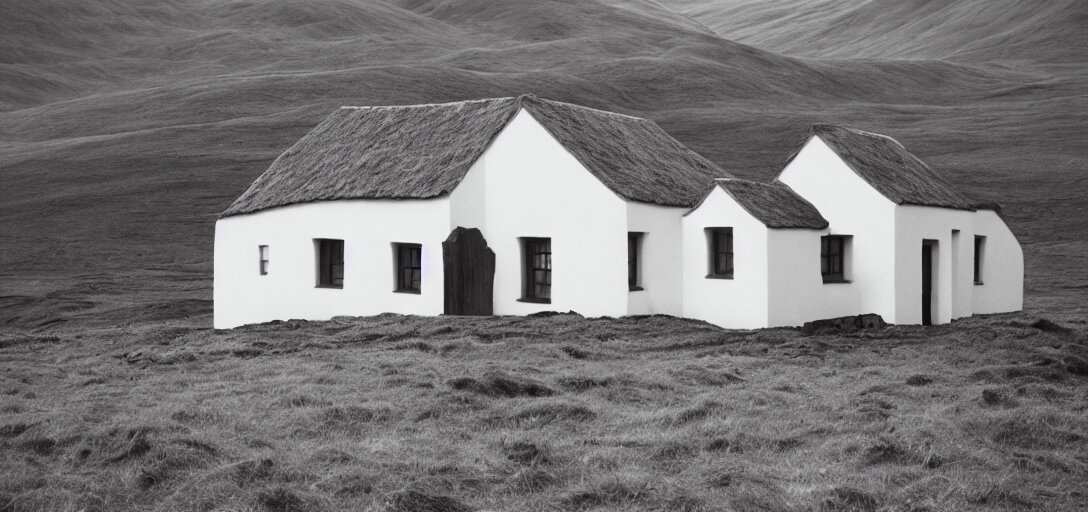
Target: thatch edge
x: 825, y: 225
x: 514, y: 109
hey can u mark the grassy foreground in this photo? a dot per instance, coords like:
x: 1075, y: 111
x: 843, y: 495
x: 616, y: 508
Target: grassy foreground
x: 554, y: 412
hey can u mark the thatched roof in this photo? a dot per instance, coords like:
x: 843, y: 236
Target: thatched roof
x: 774, y: 204
x: 423, y: 151
x: 892, y: 170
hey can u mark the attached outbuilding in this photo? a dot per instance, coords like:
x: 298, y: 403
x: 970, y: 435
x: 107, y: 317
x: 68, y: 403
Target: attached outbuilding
x: 520, y: 205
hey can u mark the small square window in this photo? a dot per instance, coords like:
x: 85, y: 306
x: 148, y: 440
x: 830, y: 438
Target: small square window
x: 409, y: 269
x: 262, y: 250
x: 330, y: 263
x: 719, y: 253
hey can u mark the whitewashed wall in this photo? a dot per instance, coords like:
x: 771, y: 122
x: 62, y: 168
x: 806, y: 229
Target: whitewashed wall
x: 1003, y: 267
x: 851, y: 207
x: 740, y: 302
x: 797, y: 293
x: 661, y: 255
x: 527, y: 185
x: 951, y: 295
x: 368, y: 228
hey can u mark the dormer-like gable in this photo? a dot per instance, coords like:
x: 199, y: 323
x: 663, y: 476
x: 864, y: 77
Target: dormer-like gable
x: 775, y: 205
x: 886, y: 166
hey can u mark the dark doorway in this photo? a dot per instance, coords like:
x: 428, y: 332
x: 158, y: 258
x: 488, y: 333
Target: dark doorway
x: 469, y: 268
x: 928, y: 248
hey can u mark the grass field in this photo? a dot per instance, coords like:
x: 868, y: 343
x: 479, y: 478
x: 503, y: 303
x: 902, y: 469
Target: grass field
x: 544, y: 413
x: 126, y: 126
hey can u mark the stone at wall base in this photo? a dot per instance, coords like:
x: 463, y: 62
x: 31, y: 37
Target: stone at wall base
x: 844, y: 324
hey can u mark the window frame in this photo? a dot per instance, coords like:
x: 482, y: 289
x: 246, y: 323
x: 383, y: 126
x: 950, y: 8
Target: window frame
x: 414, y: 265
x: 634, y: 260
x: 262, y: 258
x: 720, y: 257
x: 827, y: 267
x: 330, y: 259
x: 979, y: 259
x: 534, y: 289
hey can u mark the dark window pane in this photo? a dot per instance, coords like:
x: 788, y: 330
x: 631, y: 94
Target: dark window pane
x: 409, y: 267
x: 330, y: 262
x: 721, y: 252
x: 537, y: 268
x: 832, y: 257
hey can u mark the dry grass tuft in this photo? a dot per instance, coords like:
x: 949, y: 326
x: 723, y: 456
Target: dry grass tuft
x: 849, y: 499
x: 701, y: 376
x: 584, y: 383
x: 350, y: 484
x: 526, y: 453
x: 531, y: 479
x: 574, y: 352
x: 498, y: 384
x: 890, y: 451
x: 409, y: 500
x: 328, y: 455
x: 350, y: 417
x: 919, y: 380
x: 997, y: 398
x: 699, y: 412
x: 539, y: 414
x: 301, y: 400
x: 618, y: 491
x: 673, y: 451
x: 13, y: 429
x: 1041, y: 432
x: 280, y: 498
x: 1048, y: 326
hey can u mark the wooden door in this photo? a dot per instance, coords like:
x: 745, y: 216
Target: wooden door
x: 927, y: 283
x: 469, y: 267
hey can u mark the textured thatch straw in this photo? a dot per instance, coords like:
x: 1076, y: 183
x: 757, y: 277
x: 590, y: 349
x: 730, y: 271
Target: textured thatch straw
x: 634, y: 157
x: 423, y: 151
x: 892, y: 170
x: 774, y: 204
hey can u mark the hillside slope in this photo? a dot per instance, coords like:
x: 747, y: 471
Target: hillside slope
x: 964, y: 30
x: 126, y: 126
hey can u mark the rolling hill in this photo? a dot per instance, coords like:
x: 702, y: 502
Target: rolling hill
x: 127, y: 125
x: 966, y: 30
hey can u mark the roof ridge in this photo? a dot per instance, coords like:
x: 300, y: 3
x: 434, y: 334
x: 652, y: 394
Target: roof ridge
x: 861, y: 132
x: 779, y: 215
x: 420, y: 105
x: 533, y: 97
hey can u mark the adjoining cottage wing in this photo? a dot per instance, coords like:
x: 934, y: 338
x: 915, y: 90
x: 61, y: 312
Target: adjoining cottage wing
x: 889, y: 168
x: 424, y: 151
x: 776, y: 205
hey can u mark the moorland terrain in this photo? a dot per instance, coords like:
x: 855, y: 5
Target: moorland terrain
x: 126, y: 126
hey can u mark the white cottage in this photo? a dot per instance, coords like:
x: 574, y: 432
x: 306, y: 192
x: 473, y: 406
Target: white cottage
x: 519, y: 205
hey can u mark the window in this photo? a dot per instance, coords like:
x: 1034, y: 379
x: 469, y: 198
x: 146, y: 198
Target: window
x: 330, y: 263
x: 263, y: 252
x: 720, y: 253
x: 408, y: 269
x: 634, y: 262
x: 833, y: 258
x: 537, y: 275
x: 980, y: 246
